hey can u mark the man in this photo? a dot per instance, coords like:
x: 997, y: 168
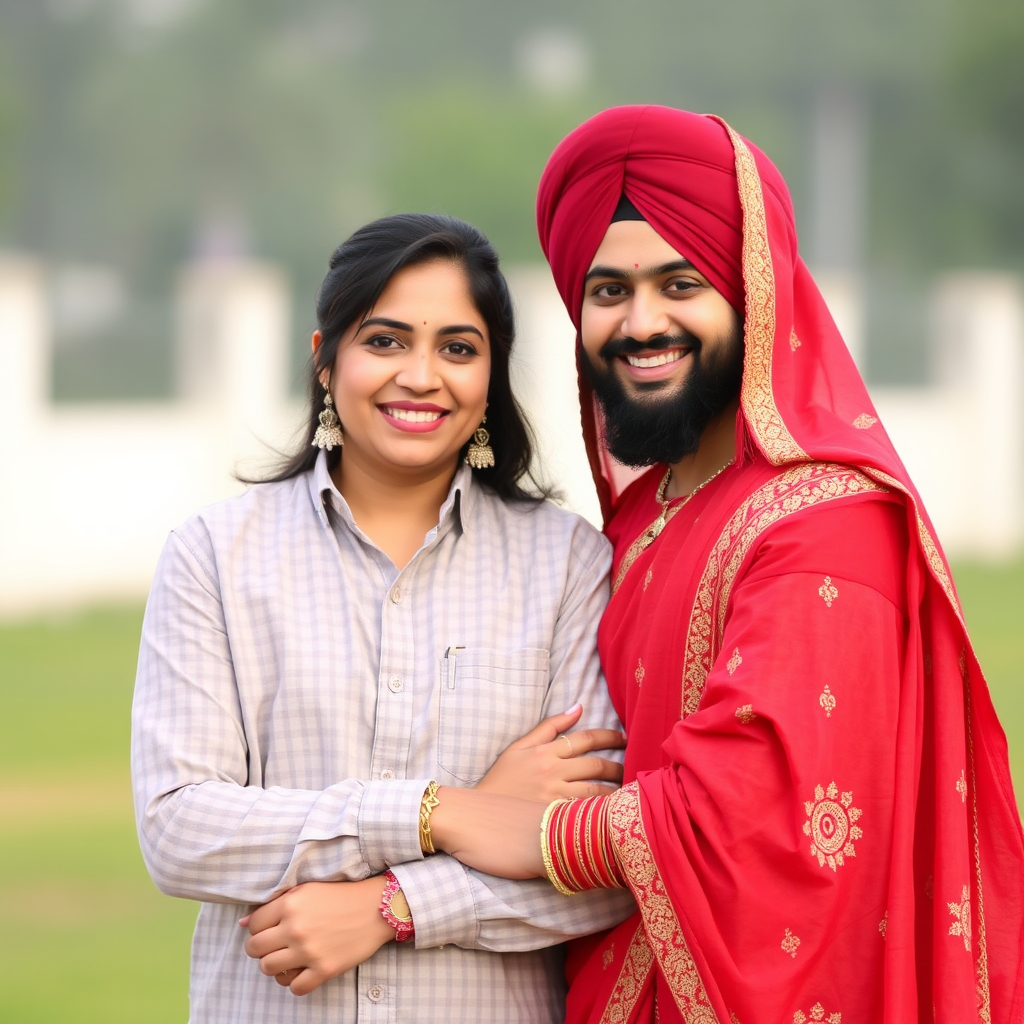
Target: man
x: 818, y: 822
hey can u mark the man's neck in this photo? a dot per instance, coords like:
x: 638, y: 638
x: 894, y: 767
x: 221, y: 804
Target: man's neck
x: 716, y: 450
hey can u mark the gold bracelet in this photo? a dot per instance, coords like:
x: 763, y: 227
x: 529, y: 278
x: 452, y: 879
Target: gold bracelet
x: 545, y: 851
x: 427, y: 805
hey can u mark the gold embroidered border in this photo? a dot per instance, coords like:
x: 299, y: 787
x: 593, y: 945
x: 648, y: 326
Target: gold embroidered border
x: 758, y: 400
x: 661, y: 924
x: 629, y: 985
x: 796, y: 488
x: 981, y: 969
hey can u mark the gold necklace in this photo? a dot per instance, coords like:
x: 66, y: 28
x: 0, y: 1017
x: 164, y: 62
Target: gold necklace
x: 654, y: 530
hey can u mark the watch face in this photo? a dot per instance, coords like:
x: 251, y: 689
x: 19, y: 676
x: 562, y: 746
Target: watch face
x: 399, y: 906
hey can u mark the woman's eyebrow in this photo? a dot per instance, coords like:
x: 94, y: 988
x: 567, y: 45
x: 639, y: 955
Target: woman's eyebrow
x: 462, y: 329
x: 380, y: 321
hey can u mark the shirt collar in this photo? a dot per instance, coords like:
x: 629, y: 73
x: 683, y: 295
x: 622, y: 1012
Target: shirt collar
x: 457, y: 507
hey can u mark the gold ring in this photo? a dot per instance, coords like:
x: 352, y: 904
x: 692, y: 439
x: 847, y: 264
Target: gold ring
x: 562, y: 736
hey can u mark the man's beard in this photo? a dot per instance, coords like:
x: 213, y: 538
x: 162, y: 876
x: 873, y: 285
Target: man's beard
x: 641, y: 431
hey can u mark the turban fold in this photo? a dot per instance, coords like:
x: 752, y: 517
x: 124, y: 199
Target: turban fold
x: 676, y: 168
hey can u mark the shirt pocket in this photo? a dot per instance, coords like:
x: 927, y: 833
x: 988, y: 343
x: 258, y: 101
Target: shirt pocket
x: 488, y: 699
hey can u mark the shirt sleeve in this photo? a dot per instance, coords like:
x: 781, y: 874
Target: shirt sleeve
x: 451, y: 903
x: 205, y: 832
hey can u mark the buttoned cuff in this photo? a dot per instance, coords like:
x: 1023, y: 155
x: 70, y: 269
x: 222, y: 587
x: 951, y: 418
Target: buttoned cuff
x: 440, y: 897
x: 389, y: 822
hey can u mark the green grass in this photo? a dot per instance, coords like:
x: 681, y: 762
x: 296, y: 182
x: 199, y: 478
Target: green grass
x: 86, y: 936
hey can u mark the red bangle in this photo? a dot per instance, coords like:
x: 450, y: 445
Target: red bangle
x: 404, y: 927
x: 576, y: 846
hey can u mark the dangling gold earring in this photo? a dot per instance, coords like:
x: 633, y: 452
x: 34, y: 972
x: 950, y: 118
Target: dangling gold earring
x: 328, y: 434
x: 480, y: 454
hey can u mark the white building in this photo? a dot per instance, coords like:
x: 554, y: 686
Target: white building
x: 90, y: 491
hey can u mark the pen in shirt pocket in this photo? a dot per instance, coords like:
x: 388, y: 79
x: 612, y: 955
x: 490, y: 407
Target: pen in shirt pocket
x: 450, y: 657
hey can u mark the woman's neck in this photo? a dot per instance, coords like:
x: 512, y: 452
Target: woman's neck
x: 395, y: 512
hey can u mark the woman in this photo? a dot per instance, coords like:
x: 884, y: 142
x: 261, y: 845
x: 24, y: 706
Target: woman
x: 378, y: 616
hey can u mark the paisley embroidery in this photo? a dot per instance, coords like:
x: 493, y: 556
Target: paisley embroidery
x: 828, y: 701
x: 828, y: 592
x: 734, y: 662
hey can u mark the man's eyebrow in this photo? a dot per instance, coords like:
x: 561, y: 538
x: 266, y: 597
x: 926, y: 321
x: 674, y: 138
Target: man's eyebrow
x: 618, y: 274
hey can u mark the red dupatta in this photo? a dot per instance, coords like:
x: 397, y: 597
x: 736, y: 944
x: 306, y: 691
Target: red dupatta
x: 807, y: 427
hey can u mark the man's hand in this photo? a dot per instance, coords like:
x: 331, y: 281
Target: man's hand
x: 549, y: 763
x: 317, y: 931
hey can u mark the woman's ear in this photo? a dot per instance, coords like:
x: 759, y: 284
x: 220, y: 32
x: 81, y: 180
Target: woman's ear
x: 317, y: 340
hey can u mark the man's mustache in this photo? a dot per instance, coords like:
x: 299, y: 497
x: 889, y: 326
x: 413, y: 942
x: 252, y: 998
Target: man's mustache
x: 630, y: 346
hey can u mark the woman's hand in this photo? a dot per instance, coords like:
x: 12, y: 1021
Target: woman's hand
x: 549, y: 763
x: 316, y: 931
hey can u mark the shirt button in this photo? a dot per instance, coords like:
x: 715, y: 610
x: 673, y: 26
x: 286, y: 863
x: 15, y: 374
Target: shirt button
x: 395, y: 684
x: 375, y: 993
x: 388, y: 773
x: 396, y: 595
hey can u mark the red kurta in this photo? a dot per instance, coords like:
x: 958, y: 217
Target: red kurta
x: 820, y: 825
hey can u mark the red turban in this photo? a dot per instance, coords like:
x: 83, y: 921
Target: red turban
x: 676, y: 168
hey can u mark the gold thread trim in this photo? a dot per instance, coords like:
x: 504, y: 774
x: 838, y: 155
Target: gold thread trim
x: 757, y: 398
x: 661, y: 924
x: 629, y: 985
x: 792, y: 490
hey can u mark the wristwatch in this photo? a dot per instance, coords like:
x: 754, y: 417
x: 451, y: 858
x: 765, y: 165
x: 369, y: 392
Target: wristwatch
x: 394, y: 908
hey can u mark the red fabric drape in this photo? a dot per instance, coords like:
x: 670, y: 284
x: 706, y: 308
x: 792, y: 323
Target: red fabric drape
x: 917, y: 741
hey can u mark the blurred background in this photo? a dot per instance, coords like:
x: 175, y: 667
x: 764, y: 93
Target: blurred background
x: 173, y: 176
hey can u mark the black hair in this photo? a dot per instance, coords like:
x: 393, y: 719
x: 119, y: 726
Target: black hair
x: 359, y: 271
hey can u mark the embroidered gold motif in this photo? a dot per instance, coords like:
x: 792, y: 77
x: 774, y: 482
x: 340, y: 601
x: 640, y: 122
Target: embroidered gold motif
x: 640, y: 672
x: 648, y: 577
x: 733, y: 1019
x: 756, y: 394
x: 830, y: 824
x: 883, y: 925
x: 792, y: 490
x: 828, y: 592
x: 661, y: 924
x: 607, y: 957
x: 962, y: 912
x: 827, y: 701
x: 817, y: 1015
x: 745, y: 713
x: 794, y: 341
x: 629, y: 985
x: 864, y: 421
x: 961, y: 786
x: 734, y: 662
x: 981, y: 982
x: 790, y: 943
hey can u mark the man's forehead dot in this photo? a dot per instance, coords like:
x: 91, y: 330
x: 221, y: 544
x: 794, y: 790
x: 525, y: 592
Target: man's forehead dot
x: 636, y: 266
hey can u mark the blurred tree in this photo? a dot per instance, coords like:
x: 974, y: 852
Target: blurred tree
x: 142, y: 133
